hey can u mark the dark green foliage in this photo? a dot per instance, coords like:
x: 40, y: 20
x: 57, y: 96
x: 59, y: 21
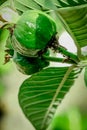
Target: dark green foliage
x: 37, y: 94
x: 2, y: 1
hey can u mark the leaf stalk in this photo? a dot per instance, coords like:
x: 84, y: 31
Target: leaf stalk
x: 59, y: 60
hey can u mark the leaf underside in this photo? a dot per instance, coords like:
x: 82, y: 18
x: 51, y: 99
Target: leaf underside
x: 75, y: 22
x: 37, y: 94
x: 23, y: 5
x: 50, y: 4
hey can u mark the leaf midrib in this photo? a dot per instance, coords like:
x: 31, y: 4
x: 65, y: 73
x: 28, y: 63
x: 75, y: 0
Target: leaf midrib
x: 56, y: 94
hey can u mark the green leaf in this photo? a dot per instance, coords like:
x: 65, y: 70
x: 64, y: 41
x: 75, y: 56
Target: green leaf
x: 46, y: 4
x: 2, y: 1
x: 49, y: 4
x: 60, y: 4
x: 71, y: 3
x: 41, y: 94
x: 30, y: 4
x: 20, y: 7
x: 85, y: 76
x: 5, y: 4
x: 74, y: 22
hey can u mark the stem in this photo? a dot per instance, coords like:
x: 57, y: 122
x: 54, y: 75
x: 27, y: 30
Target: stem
x: 54, y: 44
x: 70, y: 55
x: 60, y: 60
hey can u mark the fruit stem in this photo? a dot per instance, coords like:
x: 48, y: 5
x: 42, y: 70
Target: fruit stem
x: 54, y: 44
x: 60, y: 60
x: 68, y: 54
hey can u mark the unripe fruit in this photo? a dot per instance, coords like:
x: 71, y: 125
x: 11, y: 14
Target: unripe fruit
x: 33, y: 32
x: 26, y: 65
x: 29, y: 65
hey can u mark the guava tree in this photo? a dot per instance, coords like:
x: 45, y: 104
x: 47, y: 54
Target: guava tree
x: 31, y: 34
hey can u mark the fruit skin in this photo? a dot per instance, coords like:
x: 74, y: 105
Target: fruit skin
x: 29, y: 65
x: 26, y: 65
x: 33, y: 32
